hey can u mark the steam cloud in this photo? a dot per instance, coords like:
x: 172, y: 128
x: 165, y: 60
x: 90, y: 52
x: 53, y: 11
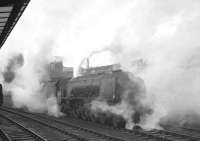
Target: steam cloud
x: 27, y: 81
x: 130, y: 106
x: 165, y: 34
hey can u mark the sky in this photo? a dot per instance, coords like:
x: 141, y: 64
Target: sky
x: 75, y: 28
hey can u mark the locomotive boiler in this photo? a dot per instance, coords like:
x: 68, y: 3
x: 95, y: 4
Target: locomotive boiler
x: 102, y: 84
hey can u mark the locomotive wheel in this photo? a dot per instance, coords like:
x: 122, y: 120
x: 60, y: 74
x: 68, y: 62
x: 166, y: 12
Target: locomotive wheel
x: 83, y: 115
x: 122, y: 123
x: 74, y: 113
x: 62, y: 108
x: 116, y: 121
x: 108, y: 120
x: 97, y: 120
x: 90, y: 116
x: 78, y: 112
x: 102, y: 119
x: 87, y: 114
x: 93, y: 118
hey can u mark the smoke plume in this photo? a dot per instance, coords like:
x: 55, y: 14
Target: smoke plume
x: 14, y: 63
x: 165, y: 35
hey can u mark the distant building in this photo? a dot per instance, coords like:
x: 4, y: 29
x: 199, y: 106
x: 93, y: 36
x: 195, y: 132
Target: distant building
x: 57, y: 71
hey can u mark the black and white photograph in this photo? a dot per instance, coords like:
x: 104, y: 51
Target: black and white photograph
x: 99, y: 70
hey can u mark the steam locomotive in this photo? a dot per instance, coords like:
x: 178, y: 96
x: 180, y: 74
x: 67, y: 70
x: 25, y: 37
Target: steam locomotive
x: 103, y: 84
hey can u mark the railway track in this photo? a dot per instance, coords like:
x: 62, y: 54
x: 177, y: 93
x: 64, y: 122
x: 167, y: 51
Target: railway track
x: 84, y: 133
x: 165, y: 135
x: 75, y: 132
x: 195, y: 133
x: 14, y: 131
x: 195, y: 130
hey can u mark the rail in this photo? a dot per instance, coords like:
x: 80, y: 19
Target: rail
x: 60, y: 127
x: 7, y: 137
x: 4, y: 135
x: 164, y: 135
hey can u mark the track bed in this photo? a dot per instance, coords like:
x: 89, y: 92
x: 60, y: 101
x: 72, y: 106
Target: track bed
x: 67, y: 128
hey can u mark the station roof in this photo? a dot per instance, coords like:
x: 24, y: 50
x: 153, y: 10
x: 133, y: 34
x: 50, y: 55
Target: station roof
x: 10, y: 12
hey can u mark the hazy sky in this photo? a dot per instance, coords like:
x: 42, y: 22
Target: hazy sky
x: 74, y: 28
